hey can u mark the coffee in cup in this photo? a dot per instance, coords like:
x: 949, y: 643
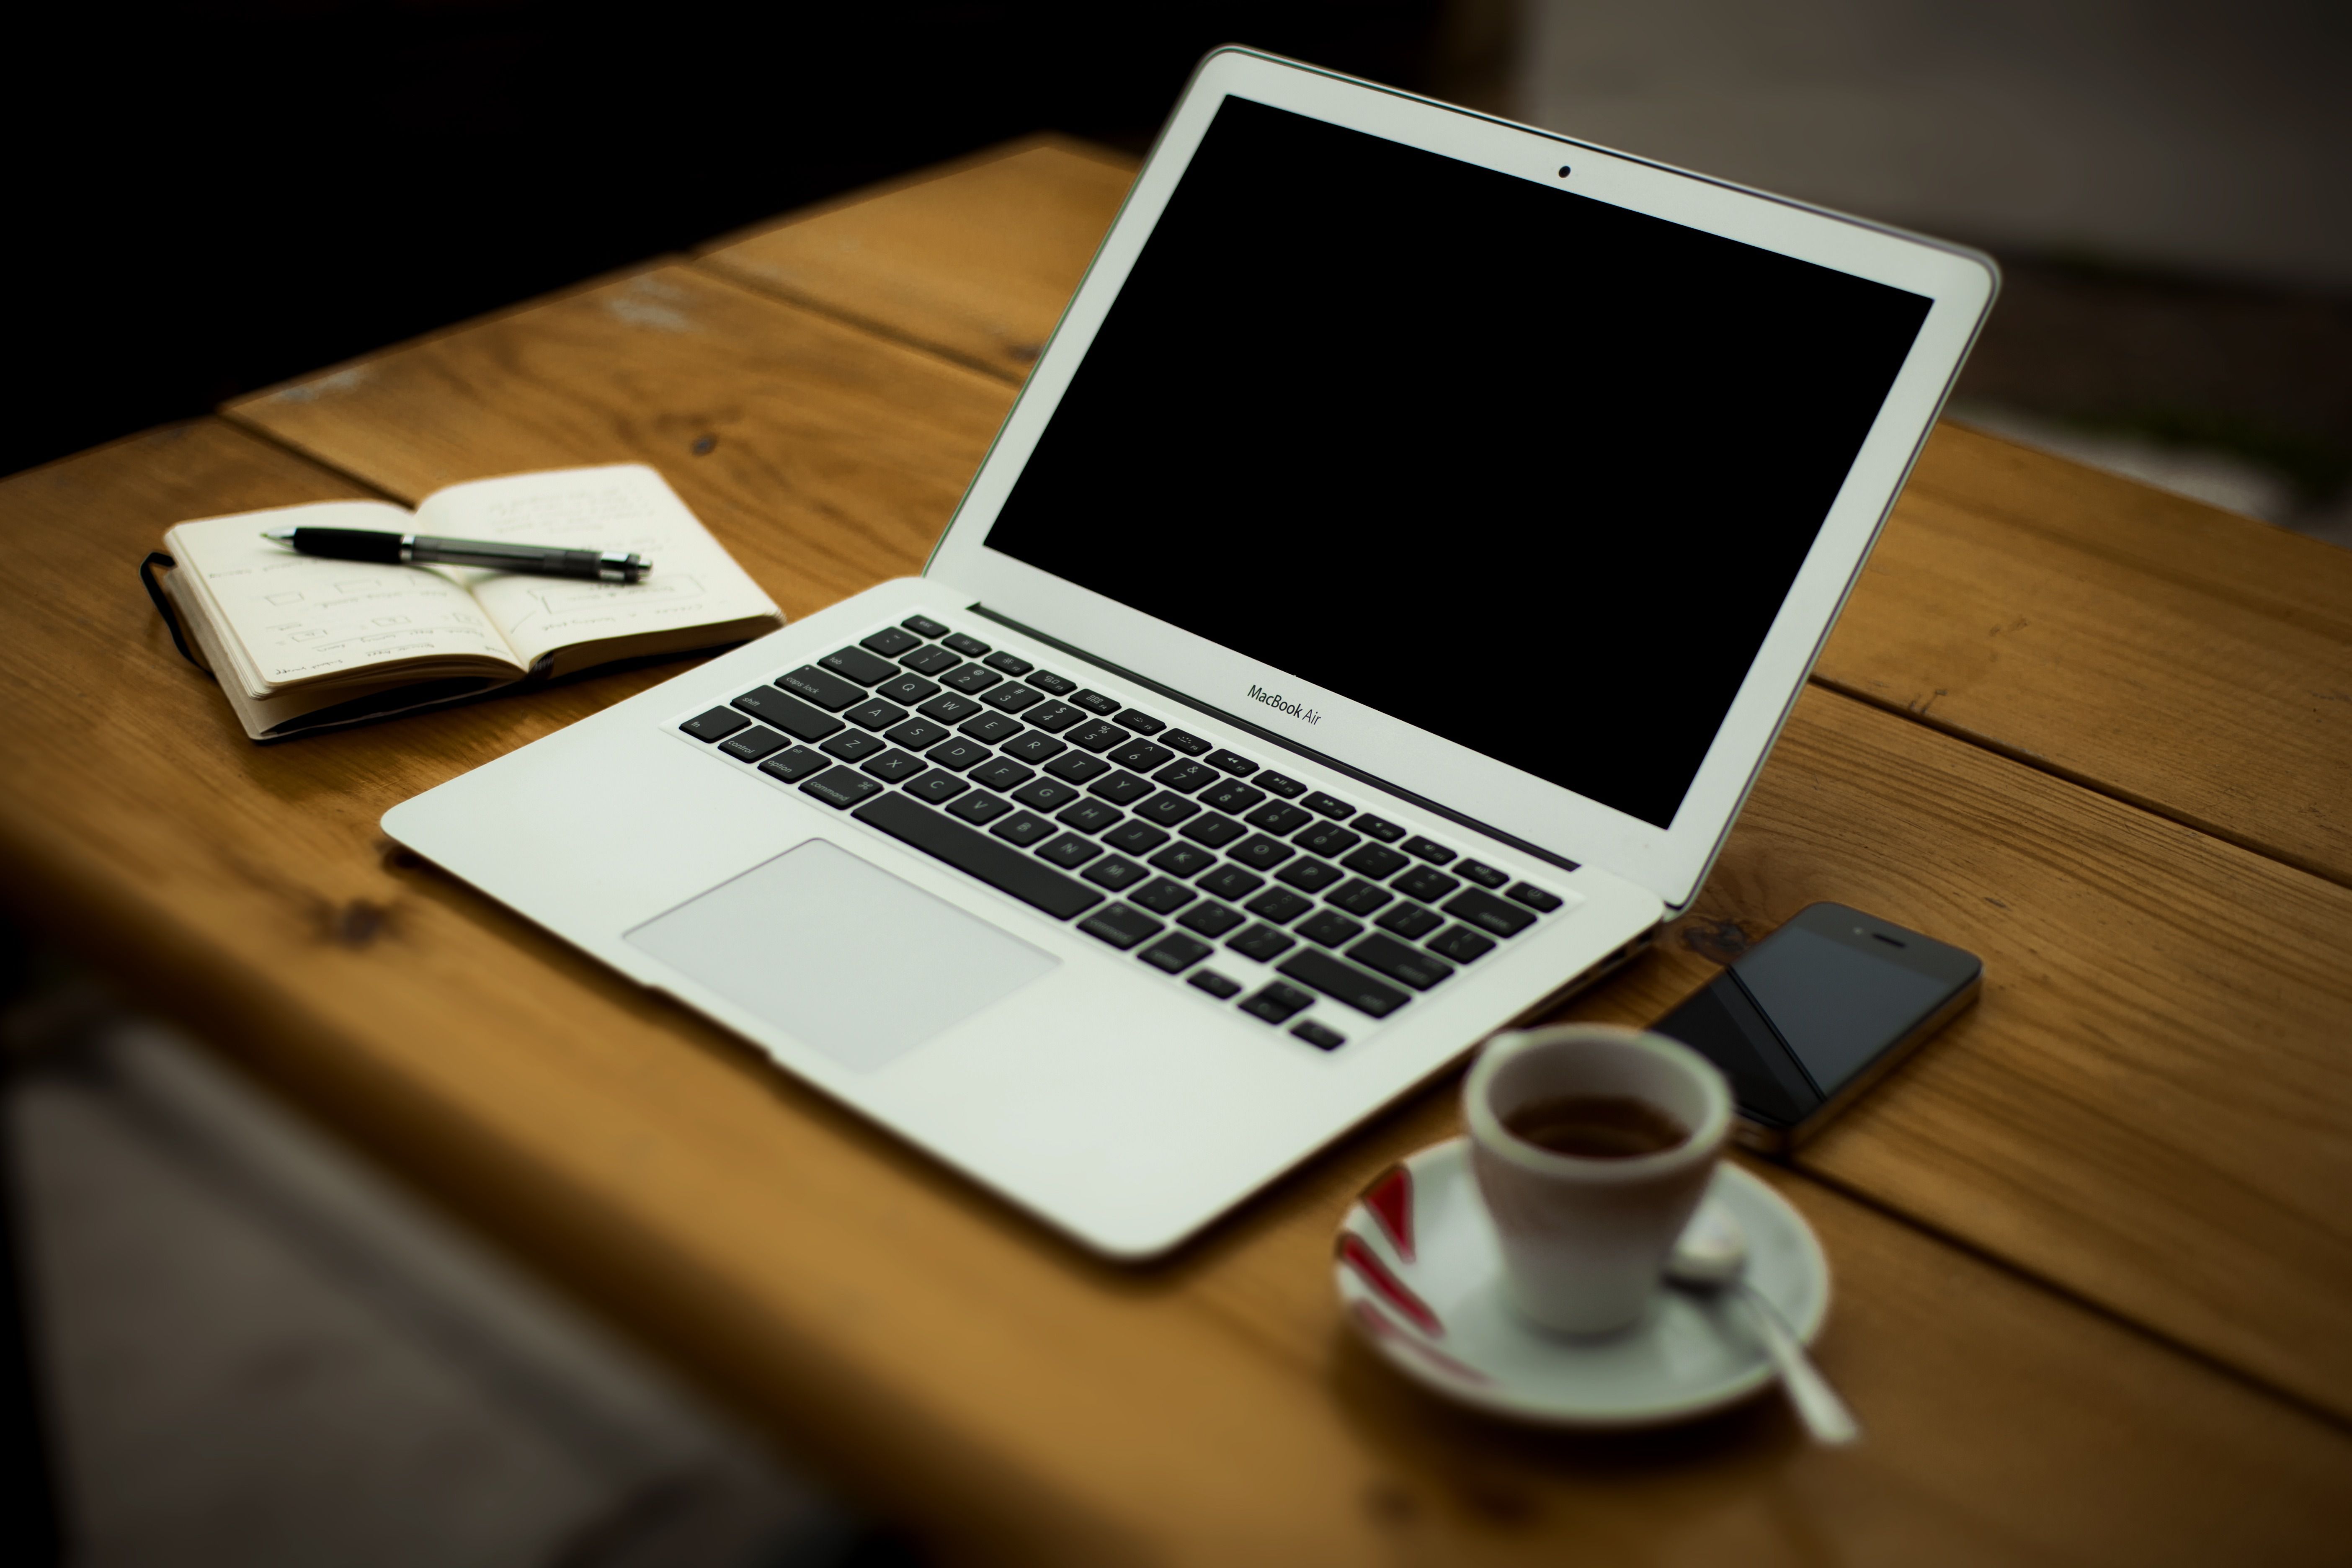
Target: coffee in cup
x: 1592, y: 1145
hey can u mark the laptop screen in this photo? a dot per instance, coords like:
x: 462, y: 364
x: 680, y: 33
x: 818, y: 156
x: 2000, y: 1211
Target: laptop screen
x: 1512, y: 465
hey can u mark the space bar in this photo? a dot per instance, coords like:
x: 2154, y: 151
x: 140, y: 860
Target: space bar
x: 1000, y: 866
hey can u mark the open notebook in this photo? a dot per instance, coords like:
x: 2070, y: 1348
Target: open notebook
x: 298, y: 643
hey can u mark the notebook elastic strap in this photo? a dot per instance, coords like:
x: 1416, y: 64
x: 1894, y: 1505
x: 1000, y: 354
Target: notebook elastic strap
x: 162, y: 605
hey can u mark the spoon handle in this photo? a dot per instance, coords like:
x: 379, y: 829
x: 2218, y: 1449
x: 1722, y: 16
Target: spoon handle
x: 1825, y: 1414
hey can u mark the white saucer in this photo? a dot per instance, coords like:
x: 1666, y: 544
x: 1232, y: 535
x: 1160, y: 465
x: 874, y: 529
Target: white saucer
x: 1419, y: 1274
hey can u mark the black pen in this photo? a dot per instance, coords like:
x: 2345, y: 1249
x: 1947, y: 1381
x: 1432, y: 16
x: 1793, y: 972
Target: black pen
x: 424, y: 549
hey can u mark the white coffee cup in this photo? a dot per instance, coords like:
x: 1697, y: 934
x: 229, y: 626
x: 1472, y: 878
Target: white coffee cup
x: 1585, y: 1239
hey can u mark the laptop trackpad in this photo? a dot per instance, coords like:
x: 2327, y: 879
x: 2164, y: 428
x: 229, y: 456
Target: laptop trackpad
x: 841, y: 955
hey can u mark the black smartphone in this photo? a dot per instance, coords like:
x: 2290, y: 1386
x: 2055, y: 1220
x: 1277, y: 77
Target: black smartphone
x: 1812, y: 1015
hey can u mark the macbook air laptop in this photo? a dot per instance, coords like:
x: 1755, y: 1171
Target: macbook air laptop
x: 1363, y: 631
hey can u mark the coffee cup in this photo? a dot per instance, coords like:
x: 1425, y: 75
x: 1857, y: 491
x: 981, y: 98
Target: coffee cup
x: 1592, y: 1145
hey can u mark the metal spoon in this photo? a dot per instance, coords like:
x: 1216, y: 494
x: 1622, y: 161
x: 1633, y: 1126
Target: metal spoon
x: 1712, y: 1255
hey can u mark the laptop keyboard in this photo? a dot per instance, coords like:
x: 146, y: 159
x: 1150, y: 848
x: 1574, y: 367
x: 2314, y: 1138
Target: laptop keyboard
x: 1232, y: 877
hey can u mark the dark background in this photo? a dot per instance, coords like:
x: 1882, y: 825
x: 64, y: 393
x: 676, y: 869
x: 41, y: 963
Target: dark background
x: 206, y: 199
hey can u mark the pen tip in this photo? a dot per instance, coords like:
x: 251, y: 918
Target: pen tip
x: 282, y: 535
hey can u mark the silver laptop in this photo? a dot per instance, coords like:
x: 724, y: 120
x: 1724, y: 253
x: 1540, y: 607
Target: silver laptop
x: 1363, y: 631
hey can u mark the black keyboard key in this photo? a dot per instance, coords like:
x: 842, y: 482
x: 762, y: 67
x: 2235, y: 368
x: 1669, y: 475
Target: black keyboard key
x: 1216, y: 984
x: 1489, y: 913
x: 1393, y: 958
x: 1379, y: 827
x: 1163, y: 897
x: 1309, y: 874
x: 1141, y: 756
x: 919, y: 734
x: 1011, y: 664
x: 1097, y: 736
x: 1278, y: 818
x: 991, y: 728
x: 853, y: 745
x: 1375, y: 862
x: 1230, y: 881
x: 860, y: 666
x: 1278, y: 906
x: 1343, y: 981
x: 1166, y: 809
x: 1261, y: 852
x: 1077, y: 767
x: 1212, y: 828
x: 1047, y: 794
x: 841, y: 788
x: 1329, y: 806
x: 1360, y: 897
x: 1234, y: 762
x: 959, y: 754
x: 929, y: 660
x: 1210, y: 917
x: 1013, y: 697
x: 788, y: 713
x: 876, y: 714
x: 949, y: 709
x: 1115, y: 872
x: 1410, y: 921
x: 891, y: 642
x: 1069, y: 851
x: 1095, y: 702
x: 1182, y: 859
x: 924, y: 626
x: 1033, y: 747
x: 1327, y: 838
x: 1088, y: 816
x: 1046, y: 680
x: 795, y: 765
x: 1135, y: 837
x: 893, y: 765
x: 1024, y: 827
x: 1233, y: 797
x: 754, y: 744
x: 1425, y: 883
x: 970, y: 679
x: 1277, y: 1003
x: 981, y: 807
x: 1002, y: 774
x: 937, y: 787
x: 1053, y: 716
x: 1120, y: 788
x: 1462, y: 944
x: 1175, y: 953
x: 909, y: 690
x: 1262, y: 943
x: 1535, y: 897
x: 1184, y: 777
x: 1321, y: 1038
x: 1330, y: 927
x: 1142, y: 723
x: 1435, y: 854
x: 1184, y: 741
x: 1485, y: 876
x: 969, y: 647
x: 1120, y: 926
x: 1282, y: 785
x: 715, y: 725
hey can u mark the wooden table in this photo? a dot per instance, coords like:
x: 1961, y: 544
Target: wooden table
x: 2093, y: 1251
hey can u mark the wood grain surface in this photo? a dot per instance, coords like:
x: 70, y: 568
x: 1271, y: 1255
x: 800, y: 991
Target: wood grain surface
x: 2181, y: 658
x: 954, y: 1364
x: 2154, y: 995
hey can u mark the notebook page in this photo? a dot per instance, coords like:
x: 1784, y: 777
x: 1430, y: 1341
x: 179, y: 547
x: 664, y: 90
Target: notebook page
x: 625, y: 506
x: 297, y: 618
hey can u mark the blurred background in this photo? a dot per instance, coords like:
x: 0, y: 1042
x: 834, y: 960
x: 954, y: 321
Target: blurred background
x: 245, y: 1347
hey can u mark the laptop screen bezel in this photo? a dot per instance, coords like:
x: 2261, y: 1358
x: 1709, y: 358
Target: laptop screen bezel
x: 1671, y: 861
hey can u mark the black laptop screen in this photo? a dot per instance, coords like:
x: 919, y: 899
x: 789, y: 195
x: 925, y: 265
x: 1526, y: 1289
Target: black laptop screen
x: 1514, y: 466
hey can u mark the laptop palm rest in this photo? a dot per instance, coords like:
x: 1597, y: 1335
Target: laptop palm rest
x: 840, y: 954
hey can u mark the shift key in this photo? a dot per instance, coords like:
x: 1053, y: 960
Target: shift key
x: 1344, y: 983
